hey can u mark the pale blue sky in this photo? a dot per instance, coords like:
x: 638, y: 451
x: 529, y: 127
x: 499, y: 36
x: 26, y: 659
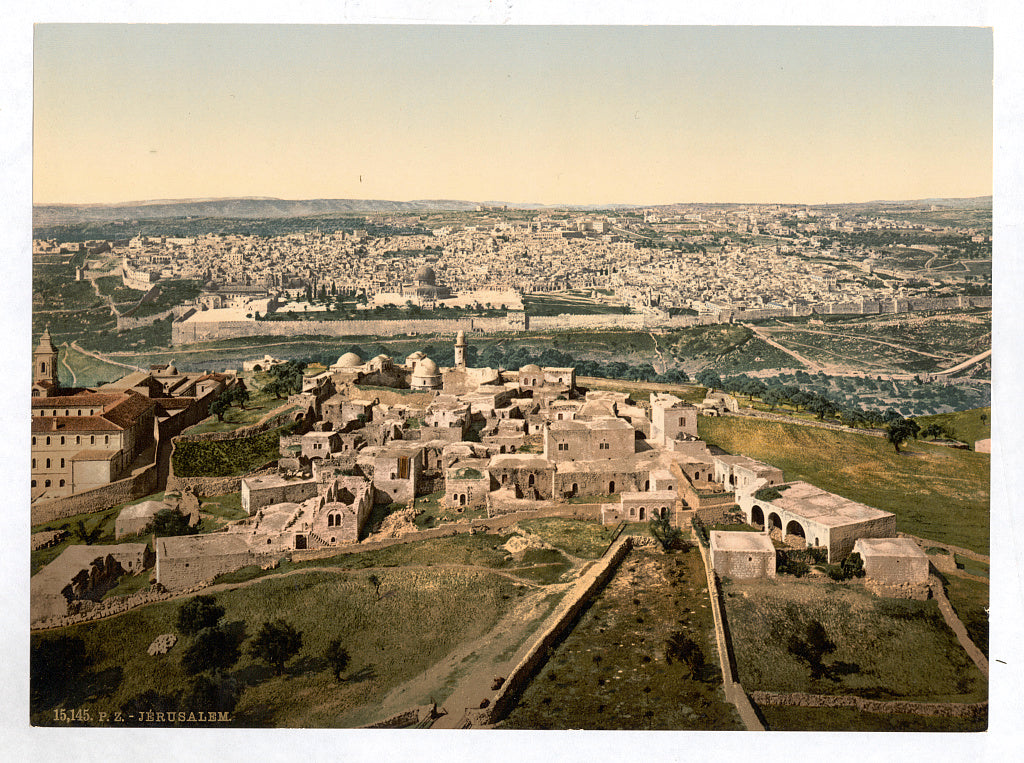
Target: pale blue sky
x: 543, y: 114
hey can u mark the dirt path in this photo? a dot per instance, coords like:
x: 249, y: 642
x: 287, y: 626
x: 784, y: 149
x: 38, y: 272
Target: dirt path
x: 661, y: 358
x: 763, y: 336
x: 97, y: 356
x: 967, y: 363
x: 64, y: 361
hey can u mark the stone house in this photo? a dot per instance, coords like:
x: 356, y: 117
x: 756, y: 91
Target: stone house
x: 266, y: 490
x: 743, y: 474
x: 671, y: 418
x: 598, y: 440
x: 467, y: 483
x: 526, y: 474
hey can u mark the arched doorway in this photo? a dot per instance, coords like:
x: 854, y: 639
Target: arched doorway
x: 795, y: 530
x: 575, y: 489
x: 757, y: 517
x: 642, y: 513
x: 611, y: 487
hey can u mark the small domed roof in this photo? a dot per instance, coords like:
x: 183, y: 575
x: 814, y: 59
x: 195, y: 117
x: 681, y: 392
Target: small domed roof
x: 411, y: 360
x: 531, y: 368
x: 425, y: 275
x: 425, y: 367
x: 349, y: 360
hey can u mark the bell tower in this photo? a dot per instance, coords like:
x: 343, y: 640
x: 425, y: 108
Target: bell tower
x: 44, y: 362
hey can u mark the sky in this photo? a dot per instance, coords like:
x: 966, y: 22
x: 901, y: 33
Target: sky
x: 542, y: 114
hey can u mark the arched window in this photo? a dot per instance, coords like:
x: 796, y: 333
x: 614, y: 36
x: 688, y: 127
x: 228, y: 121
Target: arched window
x: 62, y: 463
x: 530, y: 481
x: 106, y: 439
x: 611, y: 487
x: 61, y: 440
x: 78, y: 439
x: 632, y: 512
x: 46, y: 484
x: 47, y: 463
x: 47, y: 440
x: 62, y: 483
x: 92, y: 439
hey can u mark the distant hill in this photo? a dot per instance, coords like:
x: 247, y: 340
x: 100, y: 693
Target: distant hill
x: 60, y: 214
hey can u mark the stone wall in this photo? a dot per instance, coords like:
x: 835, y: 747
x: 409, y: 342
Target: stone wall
x: 565, y: 613
x: 973, y: 711
x: 98, y: 499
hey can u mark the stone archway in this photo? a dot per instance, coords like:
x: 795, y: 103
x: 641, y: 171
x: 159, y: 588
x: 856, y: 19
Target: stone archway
x: 757, y: 517
x: 774, y: 522
x: 795, y: 530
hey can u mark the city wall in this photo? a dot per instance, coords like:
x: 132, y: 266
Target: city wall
x: 188, y: 332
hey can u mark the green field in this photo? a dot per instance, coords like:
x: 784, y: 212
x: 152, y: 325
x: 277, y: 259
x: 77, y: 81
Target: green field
x: 966, y: 426
x: 421, y: 616
x: 884, y: 648
x: 938, y: 493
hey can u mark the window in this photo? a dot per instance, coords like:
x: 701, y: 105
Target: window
x: 563, y: 446
x: 47, y: 463
x: 33, y: 483
x: 62, y: 483
x: 92, y: 439
x: 47, y: 483
x: 78, y: 439
x: 604, y: 446
x: 61, y: 440
x: 33, y: 463
x: 106, y: 439
x: 62, y: 463
x: 47, y: 440
x: 33, y: 440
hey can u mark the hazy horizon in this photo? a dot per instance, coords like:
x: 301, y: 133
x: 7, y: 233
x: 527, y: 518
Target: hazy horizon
x: 553, y: 116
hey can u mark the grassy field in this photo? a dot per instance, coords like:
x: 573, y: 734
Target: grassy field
x: 87, y: 371
x: 260, y: 404
x: 966, y: 426
x: 885, y: 648
x: 421, y: 616
x: 938, y: 493
x: 612, y: 671
x: 580, y: 538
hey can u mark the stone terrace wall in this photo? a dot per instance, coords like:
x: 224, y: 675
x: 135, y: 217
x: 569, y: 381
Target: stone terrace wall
x: 568, y: 609
x: 974, y: 710
x: 128, y: 489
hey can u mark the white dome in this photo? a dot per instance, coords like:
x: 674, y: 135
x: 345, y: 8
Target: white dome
x: 349, y: 360
x: 425, y: 367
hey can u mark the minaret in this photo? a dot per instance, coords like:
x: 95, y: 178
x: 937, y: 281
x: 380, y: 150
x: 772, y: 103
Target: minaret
x: 45, y: 361
x: 460, y: 350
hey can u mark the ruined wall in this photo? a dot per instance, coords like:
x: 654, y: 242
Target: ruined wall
x: 597, y: 483
x: 255, y: 497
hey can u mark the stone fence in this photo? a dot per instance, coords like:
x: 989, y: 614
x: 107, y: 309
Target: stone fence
x: 565, y: 613
x: 406, y: 718
x: 973, y: 711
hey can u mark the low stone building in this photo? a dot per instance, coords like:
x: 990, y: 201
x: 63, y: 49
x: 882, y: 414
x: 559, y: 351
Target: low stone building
x: 187, y: 560
x: 639, y: 507
x: 893, y: 561
x: 815, y: 517
x: 742, y: 555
